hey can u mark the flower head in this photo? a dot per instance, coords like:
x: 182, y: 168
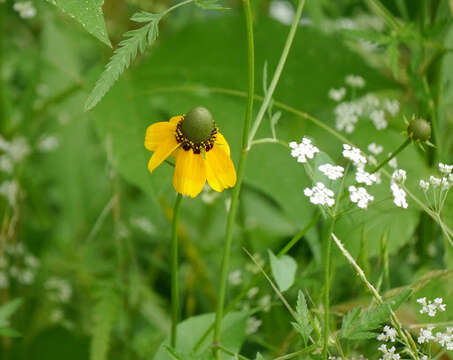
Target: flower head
x: 431, y: 307
x: 388, y: 334
x: 363, y: 177
x: 303, y: 151
x: 337, y: 94
x: 200, y: 151
x: 331, y: 171
x: 320, y: 195
x: 360, y: 196
x: 354, y: 154
x: 399, y: 195
x: 355, y: 81
x: 445, y: 169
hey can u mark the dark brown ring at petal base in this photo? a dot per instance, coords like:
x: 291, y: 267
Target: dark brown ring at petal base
x: 198, y: 147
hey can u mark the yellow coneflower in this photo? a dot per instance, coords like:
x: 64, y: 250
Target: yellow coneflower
x: 200, y: 151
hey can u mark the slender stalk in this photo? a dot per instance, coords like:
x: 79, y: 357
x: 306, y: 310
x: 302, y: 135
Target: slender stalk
x: 170, y: 9
x: 174, y: 272
x: 240, y: 176
x: 392, y: 155
x: 277, y: 74
x: 327, y: 250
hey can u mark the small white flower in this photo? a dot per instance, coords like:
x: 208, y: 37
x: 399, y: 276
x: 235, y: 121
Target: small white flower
x: 235, y: 277
x: 388, y: 354
x: 346, y: 116
x: 431, y: 307
x: 265, y: 302
x: 354, y: 154
x: 282, y: 11
x: 375, y: 149
x: 25, y: 9
x: 320, y: 195
x: 426, y: 335
x: 143, y: 223
x: 399, y: 196
x: 48, y: 143
x: 6, y: 165
x: 26, y: 277
x: 303, y: 151
x: 434, y: 181
x: 355, y: 81
x: 337, y: 94
x: 252, y: 292
x: 31, y: 261
x: 331, y: 171
x: 445, y: 169
x: 10, y: 190
x: 363, y: 177
x: 378, y: 119
x: 360, y: 196
x: 392, y: 106
x: 388, y: 334
x: 372, y: 160
x: 444, y: 183
x: 59, y: 289
x: 252, y: 325
x: 424, y: 185
x: 399, y: 176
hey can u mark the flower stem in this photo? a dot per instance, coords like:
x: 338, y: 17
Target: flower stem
x: 277, y: 74
x: 174, y: 271
x: 392, y: 155
x: 327, y: 249
x: 240, y: 176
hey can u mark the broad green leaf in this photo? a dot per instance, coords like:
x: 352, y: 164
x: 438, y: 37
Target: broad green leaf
x: 283, y: 270
x: 88, y: 13
x: 191, y: 330
x: 371, y: 319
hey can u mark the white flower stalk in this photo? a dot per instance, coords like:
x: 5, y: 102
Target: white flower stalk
x: 303, y: 151
x: 426, y: 335
x: 337, y: 94
x: 445, y: 169
x: 331, y: 171
x: 431, y: 307
x: 424, y: 185
x: 320, y: 195
x: 375, y: 149
x: 360, y: 196
x: 388, y: 334
x: 388, y: 354
x: 399, y: 196
x: 354, y: 154
x: 378, y: 119
x: 363, y: 177
x: 355, y: 81
x: 435, y: 181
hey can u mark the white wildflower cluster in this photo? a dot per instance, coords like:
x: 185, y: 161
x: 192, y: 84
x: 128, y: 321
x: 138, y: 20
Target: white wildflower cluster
x: 363, y: 177
x: 355, y: 155
x: 331, y: 171
x: 17, y: 264
x: 25, y: 9
x: 303, y: 151
x: 58, y: 290
x: 235, y: 277
x: 9, y: 189
x: 443, y: 339
x: 431, y: 307
x: 436, y: 188
x: 388, y: 353
x: 399, y: 195
x: 348, y: 113
x: 282, y: 11
x: 253, y: 292
x: 16, y: 149
x: 320, y: 195
x: 48, y: 143
x: 360, y: 196
x: 388, y: 334
x: 252, y: 325
x: 375, y: 149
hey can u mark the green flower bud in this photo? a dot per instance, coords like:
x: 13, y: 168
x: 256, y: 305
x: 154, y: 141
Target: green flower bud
x: 419, y: 130
x: 198, y: 125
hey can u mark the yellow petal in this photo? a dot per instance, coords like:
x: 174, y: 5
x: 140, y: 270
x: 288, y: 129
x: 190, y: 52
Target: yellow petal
x: 162, y: 151
x: 160, y: 132
x: 190, y: 172
x: 220, y: 170
x: 221, y: 141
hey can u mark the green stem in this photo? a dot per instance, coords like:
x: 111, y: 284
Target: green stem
x: 327, y: 249
x: 170, y: 9
x: 174, y: 272
x: 392, y: 155
x: 277, y: 74
x: 240, y: 176
x: 2, y: 111
x: 382, y: 11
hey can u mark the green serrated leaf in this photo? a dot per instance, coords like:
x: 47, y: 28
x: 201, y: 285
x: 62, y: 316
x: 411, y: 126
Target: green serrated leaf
x: 128, y: 49
x: 396, y: 301
x: 283, y: 270
x: 144, y: 16
x: 88, y: 13
x: 303, y: 326
x: 348, y: 321
x: 370, y: 320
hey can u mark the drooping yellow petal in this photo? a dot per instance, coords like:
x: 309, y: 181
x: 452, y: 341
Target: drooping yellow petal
x: 220, y: 170
x: 221, y: 141
x: 162, y: 151
x: 160, y: 132
x: 190, y: 172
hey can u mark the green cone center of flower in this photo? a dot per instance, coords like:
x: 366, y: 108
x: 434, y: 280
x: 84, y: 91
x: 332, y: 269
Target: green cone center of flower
x: 419, y: 129
x: 198, y: 125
